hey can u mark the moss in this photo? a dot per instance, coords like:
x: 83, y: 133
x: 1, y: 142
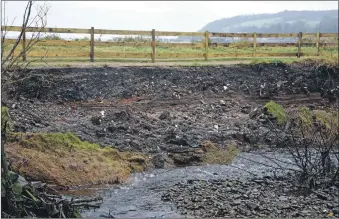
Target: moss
x: 4, y: 118
x: 215, y: 155
x: 51, y: 141
x: 277, y: 111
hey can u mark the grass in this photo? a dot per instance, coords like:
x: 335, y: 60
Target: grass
x: 215, y: 155
x: 64, y: 159
x: 238, y: 47
x: 277, y: 111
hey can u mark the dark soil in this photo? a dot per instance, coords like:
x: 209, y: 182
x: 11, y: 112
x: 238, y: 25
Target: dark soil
x: 162, y: 109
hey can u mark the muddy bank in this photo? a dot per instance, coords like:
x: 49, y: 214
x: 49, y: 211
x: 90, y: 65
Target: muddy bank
x: 167, y: 111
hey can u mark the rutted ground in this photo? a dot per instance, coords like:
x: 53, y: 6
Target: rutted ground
x: 175, y: 116
x: 161, y: 109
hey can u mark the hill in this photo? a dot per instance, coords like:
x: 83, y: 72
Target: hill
x: 282, y: 22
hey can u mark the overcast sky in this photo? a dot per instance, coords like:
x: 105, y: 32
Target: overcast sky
x: 165, y: 15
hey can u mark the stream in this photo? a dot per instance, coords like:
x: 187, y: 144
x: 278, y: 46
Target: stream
x: 140, y: 197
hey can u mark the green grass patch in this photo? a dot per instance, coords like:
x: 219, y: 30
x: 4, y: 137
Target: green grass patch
x: 305, y: 116
x: 277, y: 111
x: 51, y: 141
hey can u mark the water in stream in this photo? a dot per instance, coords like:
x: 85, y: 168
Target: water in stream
x: 140, y: 197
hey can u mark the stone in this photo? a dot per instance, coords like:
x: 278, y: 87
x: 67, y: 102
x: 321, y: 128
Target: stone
x: 164, y: 115
x: 236, y: 202
x: 96, y: 120
x: 158, y: 161
x: 254, y: 113
x: 222, y: 102
x: 100, y: 133
x: 322, y: 196
x: 283, y: 198
x: 252, y: 206
x: 246, y: 109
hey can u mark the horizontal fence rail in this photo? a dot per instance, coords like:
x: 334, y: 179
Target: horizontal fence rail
x: 88, y: 48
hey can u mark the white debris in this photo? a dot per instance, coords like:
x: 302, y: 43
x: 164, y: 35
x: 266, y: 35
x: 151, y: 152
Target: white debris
x: 263, y: 85
x: 216, y: 127
x: 102, y: 112
x: 222, y: 102
x: 225, y: 87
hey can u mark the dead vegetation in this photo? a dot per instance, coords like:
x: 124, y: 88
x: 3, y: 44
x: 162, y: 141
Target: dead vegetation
x: 215, y: 155
x: 63, y: 159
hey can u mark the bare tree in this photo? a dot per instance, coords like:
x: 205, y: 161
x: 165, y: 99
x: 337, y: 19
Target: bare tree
x: 311, y: 141
x: 33, y: 21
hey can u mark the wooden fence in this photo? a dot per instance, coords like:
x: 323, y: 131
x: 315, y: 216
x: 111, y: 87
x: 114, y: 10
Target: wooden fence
x: 205, y: 45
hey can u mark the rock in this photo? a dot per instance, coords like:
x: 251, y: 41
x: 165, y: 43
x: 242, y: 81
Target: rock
x: 111, y: 129
x: 164, y: 115
x: 236, y: 202
x: 184, y: 159
x: 246, y: 109
x: 250, y: 138
x: 137, y: 159
x: 332, y: 205
x: 252, y: 206
x: 158, y: 161
x: 283, y: 198
x: 135, y: 144
x: 254, y: 113
x: 14, y: 106
x: 304, y: 212
x: 100, y: 133
x: 260, y: 181
x: 222, y: 102
x: 96, y: 120
x: 179, y: 141
x: 322, y: 195
x: 122, y: 116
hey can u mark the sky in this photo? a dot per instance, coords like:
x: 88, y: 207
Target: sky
x: 159, y: 15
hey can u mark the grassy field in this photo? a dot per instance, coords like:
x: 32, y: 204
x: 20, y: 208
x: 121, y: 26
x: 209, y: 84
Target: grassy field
x: 143, y: 49
x: 234, y: 48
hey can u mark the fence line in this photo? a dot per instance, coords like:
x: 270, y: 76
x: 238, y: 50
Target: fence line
x: 205, y: 44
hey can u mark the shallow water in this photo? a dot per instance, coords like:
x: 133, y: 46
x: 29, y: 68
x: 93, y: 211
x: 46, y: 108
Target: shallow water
x: 140, y: 197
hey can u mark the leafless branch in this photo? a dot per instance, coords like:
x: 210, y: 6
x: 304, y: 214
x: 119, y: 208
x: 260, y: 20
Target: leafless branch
x: 36, y: 23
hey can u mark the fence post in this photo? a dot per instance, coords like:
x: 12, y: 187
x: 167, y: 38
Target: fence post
x: 206, y: 44
x: 24, y: 44
x: 153, y: 45
x: 254, y: 43
x: 300, y: 35
x: 318, y: 42
x: 92, y: 44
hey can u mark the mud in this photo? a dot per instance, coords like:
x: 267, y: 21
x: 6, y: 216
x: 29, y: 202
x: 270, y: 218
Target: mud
x: 162, y: 110
x: 167, y: 112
